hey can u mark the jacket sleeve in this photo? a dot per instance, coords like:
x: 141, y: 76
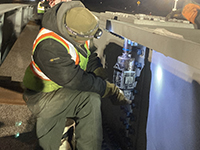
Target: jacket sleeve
x: 190, y: 11
x: 93, y: 63
x: 55, y: 62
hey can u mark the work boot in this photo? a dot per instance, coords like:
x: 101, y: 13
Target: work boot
x: 68, y: 138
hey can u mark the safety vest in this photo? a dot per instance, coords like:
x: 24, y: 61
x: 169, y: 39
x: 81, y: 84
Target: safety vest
x: 47, y: 84
x: 40, y: 9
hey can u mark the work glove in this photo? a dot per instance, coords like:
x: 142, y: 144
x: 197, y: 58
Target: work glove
x: 101, y: 72
x: 175, y: 14
x: 115, y: 95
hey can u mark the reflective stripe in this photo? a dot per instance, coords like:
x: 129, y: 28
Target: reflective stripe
x: 36, y: 70
x: 40, y: 9
x: 87, y: 44
x: 44, y: 34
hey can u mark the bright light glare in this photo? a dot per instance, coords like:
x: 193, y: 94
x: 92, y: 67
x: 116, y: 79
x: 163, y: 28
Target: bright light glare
x: 158, y: 76
x: 159, y: 73
x: 175, y: 4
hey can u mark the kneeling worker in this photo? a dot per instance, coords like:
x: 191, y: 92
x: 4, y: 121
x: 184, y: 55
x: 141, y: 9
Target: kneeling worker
x: 64, y: 78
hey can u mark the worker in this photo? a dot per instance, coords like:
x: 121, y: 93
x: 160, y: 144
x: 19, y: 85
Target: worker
x: 42, y: 6
x: 190, y: 12
x: 65, y: 78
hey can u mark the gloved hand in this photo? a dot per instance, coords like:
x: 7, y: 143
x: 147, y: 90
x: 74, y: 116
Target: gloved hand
x: 101, y: 72
x: 115, y: 94
x: 175, y: 14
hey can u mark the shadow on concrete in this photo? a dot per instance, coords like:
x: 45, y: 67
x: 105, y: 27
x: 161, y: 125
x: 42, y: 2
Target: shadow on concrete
x: 25, y: 141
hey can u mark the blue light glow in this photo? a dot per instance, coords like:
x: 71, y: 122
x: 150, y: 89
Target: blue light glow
x: 159, y: 74
x: 17, y: 135
x: 158, y: 81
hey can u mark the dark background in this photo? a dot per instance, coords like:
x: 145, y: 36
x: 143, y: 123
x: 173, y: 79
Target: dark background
x: 161, y: 7
x: 156, y: 7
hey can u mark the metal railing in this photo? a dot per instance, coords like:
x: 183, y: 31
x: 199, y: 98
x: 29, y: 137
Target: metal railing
x: 13, y: 18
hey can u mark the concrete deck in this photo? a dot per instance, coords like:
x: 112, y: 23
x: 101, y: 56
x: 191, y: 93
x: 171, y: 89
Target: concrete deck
x: 15, y: 64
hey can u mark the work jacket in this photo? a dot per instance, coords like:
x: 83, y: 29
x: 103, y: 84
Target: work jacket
x: 47, y: 84
x: 52, y: 58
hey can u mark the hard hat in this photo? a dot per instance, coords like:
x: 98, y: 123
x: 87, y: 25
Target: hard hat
x: 81, y: 24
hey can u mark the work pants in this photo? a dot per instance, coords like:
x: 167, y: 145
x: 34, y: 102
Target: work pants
x: 52, y: 109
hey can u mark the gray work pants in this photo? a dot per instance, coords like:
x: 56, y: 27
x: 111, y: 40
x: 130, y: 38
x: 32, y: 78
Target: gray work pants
x: 52, y: 109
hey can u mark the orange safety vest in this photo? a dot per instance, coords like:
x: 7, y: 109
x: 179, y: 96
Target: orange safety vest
x: 190, y: 12
x: 46, y: 84
x: 44, y: 34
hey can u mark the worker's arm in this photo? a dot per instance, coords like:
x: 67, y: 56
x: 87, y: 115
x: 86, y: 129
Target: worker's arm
x: 62, y: 69
x: 94, y: 64
x: 190, y: 12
